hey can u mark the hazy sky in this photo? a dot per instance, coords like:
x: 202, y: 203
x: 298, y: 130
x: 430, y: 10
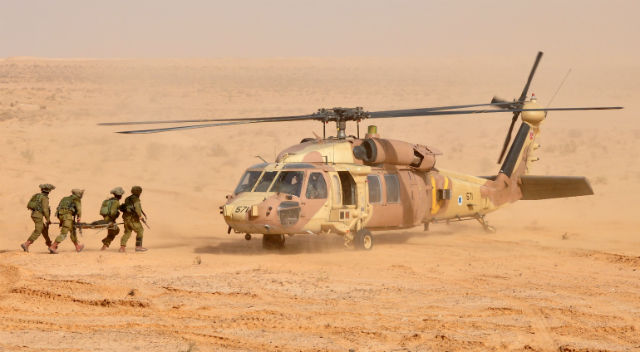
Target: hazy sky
x: 243, y: 28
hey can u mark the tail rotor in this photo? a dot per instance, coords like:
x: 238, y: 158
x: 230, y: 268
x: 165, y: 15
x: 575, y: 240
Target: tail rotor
x: 515, y: 105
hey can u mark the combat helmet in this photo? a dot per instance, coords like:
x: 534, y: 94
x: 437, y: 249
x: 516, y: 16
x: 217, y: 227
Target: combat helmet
x: 137, y: 190
x: 77, y: 192
x: 118, y: 191
x: 47, y: 187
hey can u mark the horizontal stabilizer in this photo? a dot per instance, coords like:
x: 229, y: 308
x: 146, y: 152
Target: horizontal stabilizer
x: 547, y: 187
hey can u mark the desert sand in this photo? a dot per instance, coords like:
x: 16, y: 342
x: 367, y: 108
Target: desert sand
x: 557, y: 275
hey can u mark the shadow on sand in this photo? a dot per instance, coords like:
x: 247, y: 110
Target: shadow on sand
x: 303, y: 244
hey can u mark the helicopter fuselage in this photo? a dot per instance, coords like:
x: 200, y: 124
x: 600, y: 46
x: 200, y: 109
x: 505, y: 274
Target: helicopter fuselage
x: 320, y: 186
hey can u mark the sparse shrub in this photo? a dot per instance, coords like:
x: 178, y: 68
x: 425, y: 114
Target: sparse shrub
x: 27, y: 154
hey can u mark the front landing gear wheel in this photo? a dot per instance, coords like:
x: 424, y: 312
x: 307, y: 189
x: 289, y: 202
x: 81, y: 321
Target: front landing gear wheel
x: 272, y: 241
x: 247, y: 237
x: 363, y: 240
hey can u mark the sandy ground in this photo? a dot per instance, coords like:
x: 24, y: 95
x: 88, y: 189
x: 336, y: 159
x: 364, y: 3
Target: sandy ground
x: 558, y: 274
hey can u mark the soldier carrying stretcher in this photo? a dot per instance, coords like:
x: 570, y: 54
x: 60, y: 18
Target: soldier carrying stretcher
x: 69, y: 213
x: 132, y: 216
x: 110, y: 212
x: 39, y: 206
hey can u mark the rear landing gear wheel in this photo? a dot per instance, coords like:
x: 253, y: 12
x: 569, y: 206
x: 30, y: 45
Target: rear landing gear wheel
x: 363, y: 240
x: 489, y: 229
x: 247, y: 237
x: 272, y: 241
x: 485, y: 225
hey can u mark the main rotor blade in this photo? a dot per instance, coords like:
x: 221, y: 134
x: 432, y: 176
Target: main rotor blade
x: 156, y: 130
x: 428, y: 112
x: 523, y: 96
x: 437, y: 108
x: 378, y: 115
x: 273, y: 118
x: 302, y: 117
x: 190, y: 127
x: 574, y: 109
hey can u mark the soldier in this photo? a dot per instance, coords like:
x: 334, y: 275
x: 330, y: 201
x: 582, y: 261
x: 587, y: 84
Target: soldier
x: 39, y: 206
x: 132, y: 214
x: 110, y: 212
x: 70, y: 207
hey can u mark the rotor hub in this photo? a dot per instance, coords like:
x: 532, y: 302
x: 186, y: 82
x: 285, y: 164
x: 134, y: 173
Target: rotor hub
x: 340, y: 116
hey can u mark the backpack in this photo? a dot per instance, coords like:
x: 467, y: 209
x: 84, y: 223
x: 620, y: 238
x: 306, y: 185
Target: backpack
x: 66, y: 206
x: 35, y: 203
x: 105, y: 209
x: 129, y: 205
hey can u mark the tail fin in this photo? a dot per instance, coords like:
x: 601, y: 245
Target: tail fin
x: 506, y: 187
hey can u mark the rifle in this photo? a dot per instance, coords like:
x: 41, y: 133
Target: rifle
x: 144, y: 220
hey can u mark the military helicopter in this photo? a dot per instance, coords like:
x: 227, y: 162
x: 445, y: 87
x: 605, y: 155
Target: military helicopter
x: 351, y: 186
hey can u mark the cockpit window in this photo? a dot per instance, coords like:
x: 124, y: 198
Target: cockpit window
x: 247, y: 181
x: 265, y: 181
x: 316, y: 187
x: 289, y: 182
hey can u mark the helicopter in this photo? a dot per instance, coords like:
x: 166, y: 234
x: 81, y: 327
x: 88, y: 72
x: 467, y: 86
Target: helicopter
x: 352, y: 186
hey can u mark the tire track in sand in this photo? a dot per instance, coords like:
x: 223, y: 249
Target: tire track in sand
x: 9, y: 277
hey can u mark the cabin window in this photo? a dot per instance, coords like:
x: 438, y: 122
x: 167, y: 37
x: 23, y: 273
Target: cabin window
x: 393, y: 188
x: 289, y: 182
x: 265, y: 181
x: 316, y: 187
x: 337, y: 194
x: 375, y: 189
x: 247, y: 181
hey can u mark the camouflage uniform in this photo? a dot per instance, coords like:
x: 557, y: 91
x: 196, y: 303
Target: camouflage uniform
x: 131, y: 215
x: 39, y: 206
x: 112, y: 215
x: 69, y: 211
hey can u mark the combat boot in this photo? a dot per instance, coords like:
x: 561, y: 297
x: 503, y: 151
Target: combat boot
x: 104, y: 247
x: 53, y: 249
x: 122, y: 249
x: 140, y: 249
x: 79, y: 247
x: 25, y: 246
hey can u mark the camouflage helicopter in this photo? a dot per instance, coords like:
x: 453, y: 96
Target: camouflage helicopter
x: 351, y: 186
